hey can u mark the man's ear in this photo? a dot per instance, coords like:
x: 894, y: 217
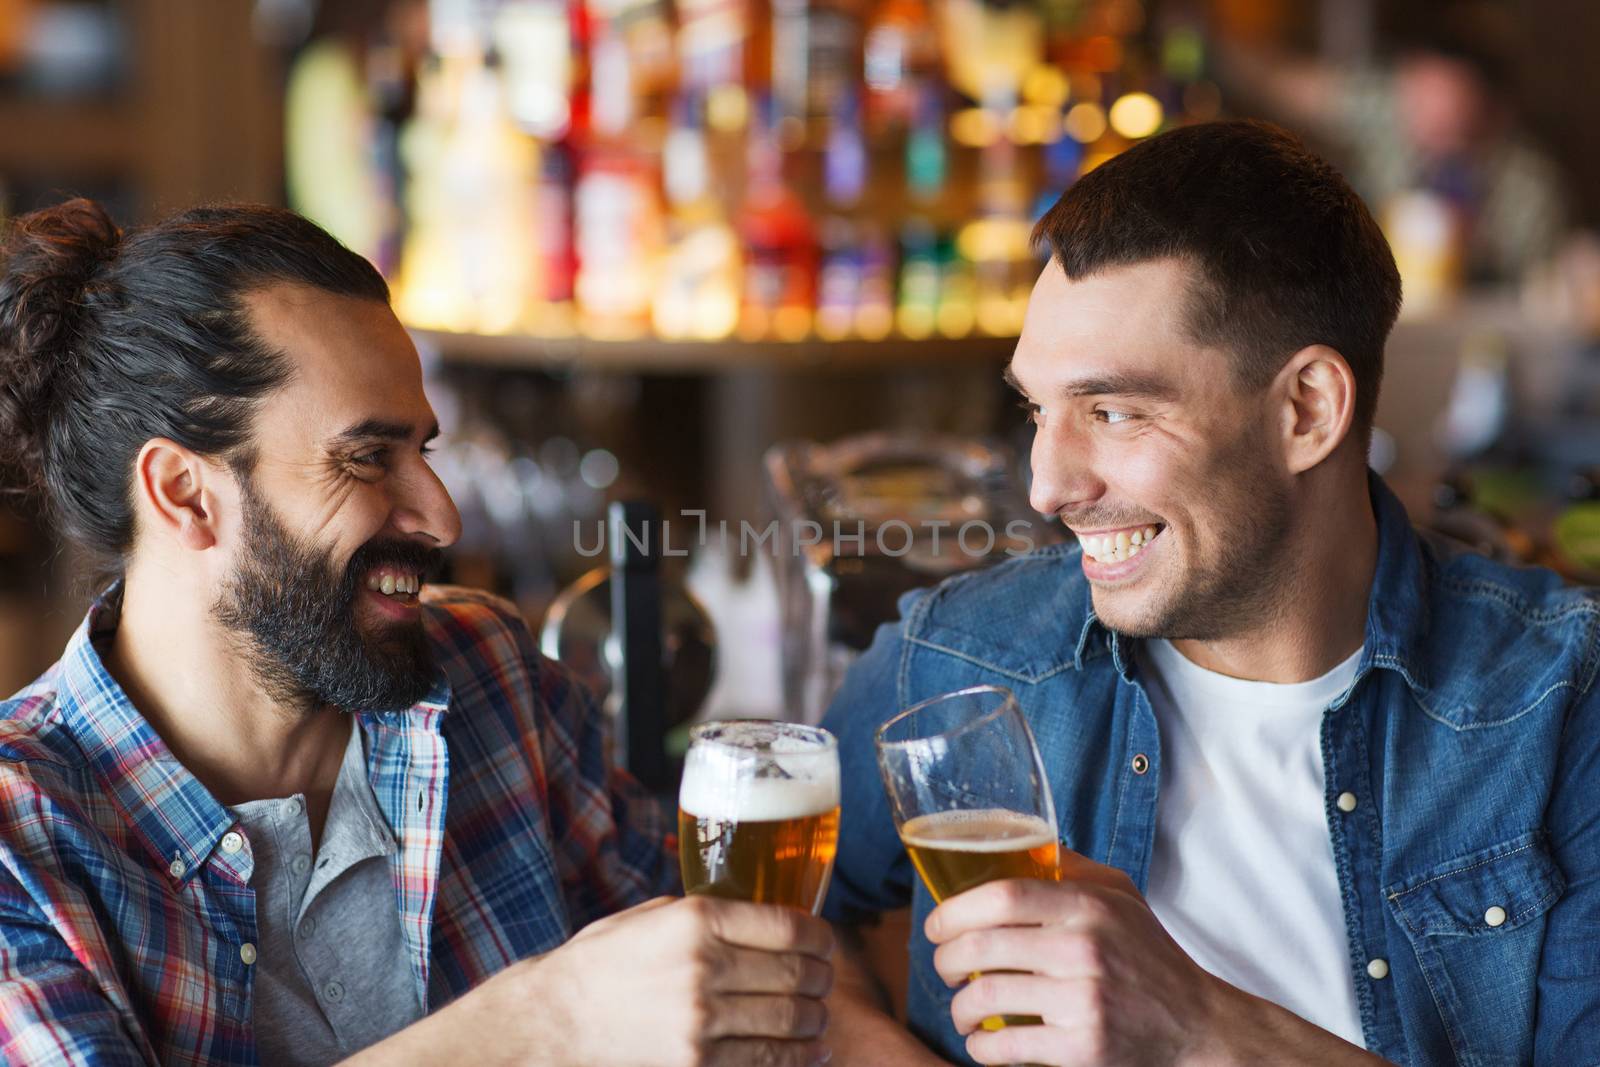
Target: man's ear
x: 176, y: 493
x: 1318, y: 391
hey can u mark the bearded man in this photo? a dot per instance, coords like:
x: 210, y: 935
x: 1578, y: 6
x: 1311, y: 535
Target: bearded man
x: 279, y: 801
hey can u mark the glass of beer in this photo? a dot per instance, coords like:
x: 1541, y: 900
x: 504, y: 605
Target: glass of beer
x: 969, y: 796
x: 758, y: 812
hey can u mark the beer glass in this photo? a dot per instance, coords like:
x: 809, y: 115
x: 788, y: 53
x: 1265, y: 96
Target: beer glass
x: 758, y: 812
x: 969, y: 796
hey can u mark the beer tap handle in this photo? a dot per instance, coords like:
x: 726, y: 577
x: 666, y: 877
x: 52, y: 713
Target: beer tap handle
x: 634, y: 537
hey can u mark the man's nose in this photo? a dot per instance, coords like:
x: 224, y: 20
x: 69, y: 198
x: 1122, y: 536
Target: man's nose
x: 426, y: 510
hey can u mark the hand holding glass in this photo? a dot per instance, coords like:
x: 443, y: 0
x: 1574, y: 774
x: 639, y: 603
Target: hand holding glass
x: 969, y: 796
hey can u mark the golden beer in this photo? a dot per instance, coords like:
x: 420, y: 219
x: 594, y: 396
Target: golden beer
x: 955, y: 851
x: 758, y: 812
x: 769, y: 861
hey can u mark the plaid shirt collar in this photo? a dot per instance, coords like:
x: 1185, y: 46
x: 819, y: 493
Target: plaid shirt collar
x: 177, y: 818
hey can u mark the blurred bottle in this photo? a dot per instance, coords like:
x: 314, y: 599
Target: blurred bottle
x: 816, y: 59
x: 900, y: 62
x: 332, y: 152
x: 995, y: 243
x: 468, y: 255
x: 553, y: 312
x: 779, y: 240
x: 842, y: 234
x: 927, y: 159
x: 640, y: 68
x: 989, y: 48
x: 917, y: 300
x: 1426, y: 237
x: 618, y: 237
x: 721, y: 57
x: 542, y: 49
x: 698, y: 293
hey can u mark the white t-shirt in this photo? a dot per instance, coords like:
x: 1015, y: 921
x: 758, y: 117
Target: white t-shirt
x: 1243, y: 875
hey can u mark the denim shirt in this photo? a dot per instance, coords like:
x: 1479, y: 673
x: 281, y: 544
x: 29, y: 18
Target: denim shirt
x: 1469, y: 737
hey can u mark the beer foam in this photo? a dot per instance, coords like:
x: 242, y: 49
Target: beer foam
x: 988, y: 830
x: 711, y: 796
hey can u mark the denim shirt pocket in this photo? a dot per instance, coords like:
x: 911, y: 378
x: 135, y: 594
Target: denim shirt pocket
x: 1476, y: 924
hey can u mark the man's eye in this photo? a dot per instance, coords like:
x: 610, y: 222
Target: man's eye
x: 374, y: 458
x: 1112, y: 418
x: 1034, y: 411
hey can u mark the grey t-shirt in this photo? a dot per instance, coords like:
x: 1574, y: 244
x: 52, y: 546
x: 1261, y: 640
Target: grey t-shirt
x: 332, y: 973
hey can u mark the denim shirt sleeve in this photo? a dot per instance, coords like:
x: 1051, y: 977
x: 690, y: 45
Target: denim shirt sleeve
x: 1568, y: 1028
x: 872, y: 873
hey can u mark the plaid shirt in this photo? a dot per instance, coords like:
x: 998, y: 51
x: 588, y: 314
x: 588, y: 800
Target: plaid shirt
x: 124, y: 916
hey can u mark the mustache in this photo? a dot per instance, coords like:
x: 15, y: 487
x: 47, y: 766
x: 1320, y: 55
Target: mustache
x: 402, y: 555
x: 1103, y: 520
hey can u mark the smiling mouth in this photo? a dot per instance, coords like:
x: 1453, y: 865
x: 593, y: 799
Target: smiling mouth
x: 394, y: 582
x: 1119, y: 546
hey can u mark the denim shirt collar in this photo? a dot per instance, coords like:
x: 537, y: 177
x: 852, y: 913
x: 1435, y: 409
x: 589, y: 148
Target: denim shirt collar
x: 178, y: 819
x: 1397, y: 605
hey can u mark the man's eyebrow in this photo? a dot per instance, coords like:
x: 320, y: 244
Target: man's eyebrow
x: 1011, y: 379
x: 382, y: 429
x: 1139, y: 386
x: 1136, y: 385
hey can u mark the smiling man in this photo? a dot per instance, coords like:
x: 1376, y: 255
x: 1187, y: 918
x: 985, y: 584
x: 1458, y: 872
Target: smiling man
x: 1328, y: 784
x: 280, y: 801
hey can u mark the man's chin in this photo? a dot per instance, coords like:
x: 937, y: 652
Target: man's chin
x: 1127, y: 613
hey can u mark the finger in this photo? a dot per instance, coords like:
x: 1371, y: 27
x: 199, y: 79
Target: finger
x: 1056, y: 951
x: 786, y: 1018
x: 1040, y: 1046
x: 745, y: 1052
x: 1011, y: 902
x: 1066, y: 1003
x: 748, y: 970
x: 764, y: 926
x: 600, y: 925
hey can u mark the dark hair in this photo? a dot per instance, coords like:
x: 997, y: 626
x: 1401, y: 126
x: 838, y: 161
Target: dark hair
x: 107, y: 341
x: 1285, y: 253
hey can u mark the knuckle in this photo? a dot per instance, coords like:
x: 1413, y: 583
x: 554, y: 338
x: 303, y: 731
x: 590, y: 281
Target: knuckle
x: 818, y: 978
x: 982, y: 996
x: 1011, y: 894
x: 698, y: 910
x: 792, y: 970
x: 1087, y: 951
x: 1094, y: 1007
x: 1095, y: 909
x: 698, y: 1015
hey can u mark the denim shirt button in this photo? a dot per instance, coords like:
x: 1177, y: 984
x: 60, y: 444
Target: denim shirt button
x: 1346, y: 802
x: 1141, y: 763
x: 1495, y: 915
x: 1378, y: 968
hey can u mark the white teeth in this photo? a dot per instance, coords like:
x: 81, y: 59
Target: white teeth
x: 1117, y: 547
x: 387, y: 585
x: 373, y: 582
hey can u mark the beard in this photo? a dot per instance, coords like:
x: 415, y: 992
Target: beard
x: 295, y: 612
x: 1239, y: 584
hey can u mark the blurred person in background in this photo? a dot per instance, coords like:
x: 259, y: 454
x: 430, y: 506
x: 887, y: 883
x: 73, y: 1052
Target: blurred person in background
x: 1434, y: 144
x: 280, y: 800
